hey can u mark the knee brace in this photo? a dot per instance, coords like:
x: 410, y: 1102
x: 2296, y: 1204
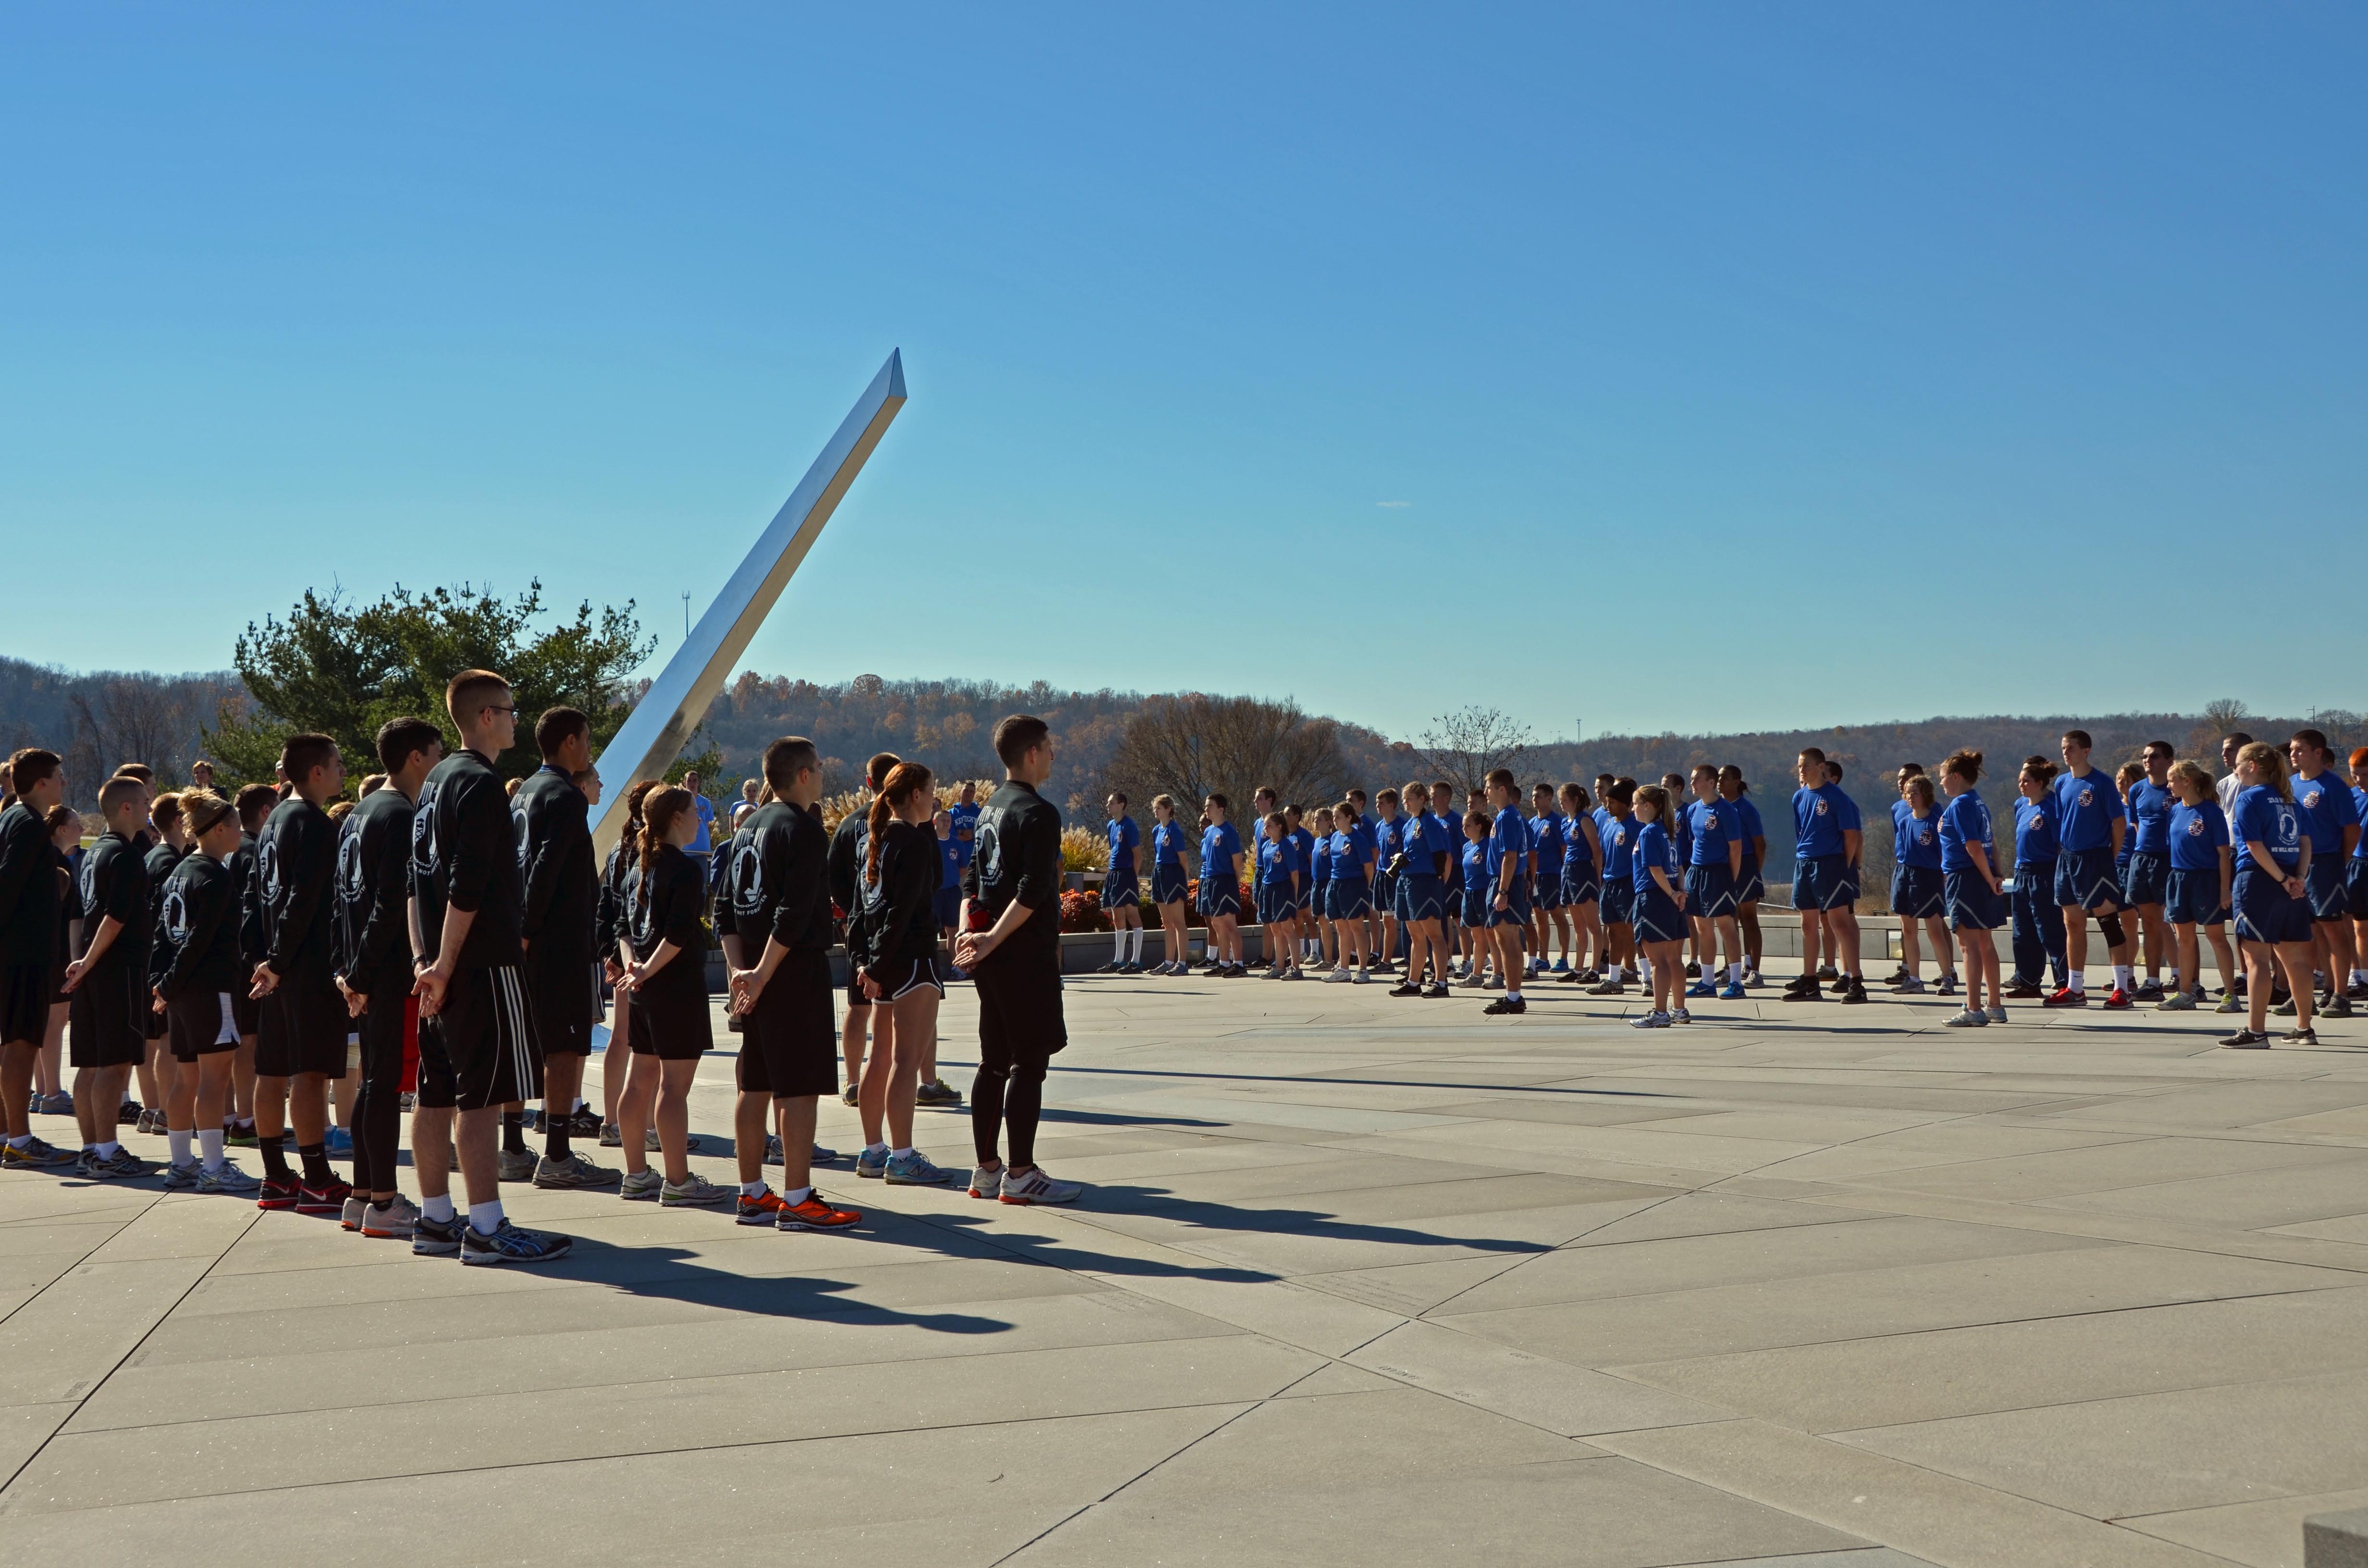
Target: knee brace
x: 2111, y: 925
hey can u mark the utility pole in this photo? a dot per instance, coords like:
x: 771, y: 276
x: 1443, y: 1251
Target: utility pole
x: 686, y: 615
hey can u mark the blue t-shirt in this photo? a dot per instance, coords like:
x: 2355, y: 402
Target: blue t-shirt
x: 2150, y: 806
x: 1619, y: 848
x: 2034, y: 831
x: 1219, y: 844
x: 965, y: 829
x: 1545, y: 837
x: 2360, y: 808
x: 1167, y: 843
x: 1963, y: 822
x: 1916, y: 841
x: 1278, y: 860
x: 1476, y: 869
x: 702, y: 842
x: 1319, y: 860
x: 1304, y: 842
x: 1365, y: 834
x: 1752, y: 830
x: 1412, y: 835
x: 2266, y: 818
x: 1440, y: 837
x: 1817, y: 821
x: 1680, y: 830
x: 1711, y: 826
x: 950, y: 863
x: 1509, y: 836
x: 2198, y: 834
x: 1123, y: 838
x: 2327, y: 810
x: 2087, y: 806
x: 1654, y: 847
x: 1576, y: 856
x: 1389, y: 840
x: 1347, y: 858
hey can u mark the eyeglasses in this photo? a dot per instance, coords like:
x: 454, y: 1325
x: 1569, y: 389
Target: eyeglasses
x: 497, y: 708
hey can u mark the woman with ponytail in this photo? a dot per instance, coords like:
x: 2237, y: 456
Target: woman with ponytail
x: 665, y: 960
x: 199, y: 918
x: 2272, y: 913
x: 608, y: 930
x: 895, y: 961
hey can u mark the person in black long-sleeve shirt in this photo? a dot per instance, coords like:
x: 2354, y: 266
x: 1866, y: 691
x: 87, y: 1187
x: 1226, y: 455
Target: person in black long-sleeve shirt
x: 563, y: 908
x: 780, y: 908
x: 107, y: 981
x: 1011, y: 945
x: 374, y: 925
x: 893, y: 958
x: 608, y: 932
x: 255, y: 802
x: 197, y: 926
x: 29, y: 913
x: 847, y: 852
x: 168, y: 843
x: 477, y: 1051
x: 302, y: 1044
x: 665, y: 897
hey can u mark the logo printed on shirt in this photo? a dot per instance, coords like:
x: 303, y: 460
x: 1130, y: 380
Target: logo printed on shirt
x: 266, y: 867
x: 2311, y: 799
x: 2087, y: 796
x: 89, y: 884
x: 2196, y: 827
x: 747, y: 880
x: 423, y: 836
x: 1823, y: 807
x: 518, y: 831
x: 176, y: 915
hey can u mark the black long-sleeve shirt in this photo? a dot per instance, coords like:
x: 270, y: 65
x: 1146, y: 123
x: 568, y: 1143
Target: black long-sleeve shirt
x: 899, y: 922
x: 609, y: 923
x: 161, y: 858
x: 200, y: 919
x: 29, y: 902
x: 1018, y: 860
x: 114, y: 886
x: 563, y: 887
x: 663, y: 904
x: 296, y: 879
x: 847, y: 844
x: 777, y: 882
x: 464, y: 855
x: 374, y: 892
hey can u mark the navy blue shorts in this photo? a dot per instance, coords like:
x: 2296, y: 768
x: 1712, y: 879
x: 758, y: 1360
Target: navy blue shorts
x: 1825, y: 881
x: 1549, y: 894
x: 1579, y: 886
x: 2325, y: 888
x: 2193, y: 899
x: 1121, y: 888
x: 1168, y: 883
x: 1314, y: 897
x: 1710, y: 891
x: 1420, y: 898
x: 1517, y: 908
x: 1750, y: 890
x: 2146, y: 878
x: 1220, y: 896
x: 1918, y: 893
x: 2267, y: 912
x: 2084, y: 879
x: 1972, y: 904
x: 1275, y: 903
x: 1618, y: 901
x: 1385, y: 892
x: 946, y: 907
x: 1347, y: 899
x: 1473, y: 910
x: 2355, y: 886
x: 1656, y: 917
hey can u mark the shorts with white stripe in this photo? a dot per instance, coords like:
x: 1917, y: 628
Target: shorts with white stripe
x: 478, y: 1050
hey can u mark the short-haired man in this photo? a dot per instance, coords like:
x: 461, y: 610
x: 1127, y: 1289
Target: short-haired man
x: 301, y: 1043
x: 781, y: 992
x: 1011, y: 945
x: 1508, y: 857
x: 477, y: 1050
x: 31, y: 906
x: 848, y: 853
x: 2089, y: 822
x: 1548, y: 920
x: 107, y: 984
x: 2331, y: 821
x: 1451, y: 822
x: 1123, y: 888
x: 563, y: 963
x: 2145, y: 880
x: 1828, y: 838
x: 255, y: 804
x: 374, y: 919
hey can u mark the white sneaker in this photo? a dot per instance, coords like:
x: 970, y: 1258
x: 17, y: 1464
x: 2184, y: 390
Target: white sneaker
x: 1967, y: 1018
x: 984, y: 1183
x: 1338, y: 977
x: 1362, y: 978
x: 1038, y: 1187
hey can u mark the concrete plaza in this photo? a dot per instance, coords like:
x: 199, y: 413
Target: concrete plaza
x: 1355, y: 1279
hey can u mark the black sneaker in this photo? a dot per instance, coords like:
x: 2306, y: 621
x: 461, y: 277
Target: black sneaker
x: 1507, y: 1005
x: 436, y: 1238
x: 2023, y: 991
x: 585, y: 1123
x: 508, y: 1243
x: 128, y: 1113
x: 1693, y: 971
x: 1409, y: 989
x: 2246, y: 1040
x: 1436, y: 992
x: 1797, y: 991
x: 2302, y: 1035
x: 1854, y: 993
x: 2335, y: 1008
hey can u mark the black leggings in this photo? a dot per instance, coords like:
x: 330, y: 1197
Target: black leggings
x: 992, y: 1107
x: 378, y: 1107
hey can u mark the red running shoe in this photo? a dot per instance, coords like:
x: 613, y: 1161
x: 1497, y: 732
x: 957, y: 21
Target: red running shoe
x: 2068, y: 997
x: 327, y: 1197
x: 280, y: 1192
x: 2118, y: 1001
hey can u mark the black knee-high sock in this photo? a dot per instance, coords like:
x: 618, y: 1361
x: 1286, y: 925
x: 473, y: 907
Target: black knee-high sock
x: 554, y: 1132
x: 514, y: 1132
x: 316, y: 1164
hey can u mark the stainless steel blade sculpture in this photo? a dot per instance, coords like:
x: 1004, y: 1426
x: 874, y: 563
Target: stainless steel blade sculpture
x: 654, y: 735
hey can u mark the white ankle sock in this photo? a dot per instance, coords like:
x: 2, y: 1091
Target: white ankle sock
x: 209, y: 1147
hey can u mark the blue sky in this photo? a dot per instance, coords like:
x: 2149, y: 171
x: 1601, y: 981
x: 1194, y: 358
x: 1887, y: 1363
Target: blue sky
x: 1648, y: 368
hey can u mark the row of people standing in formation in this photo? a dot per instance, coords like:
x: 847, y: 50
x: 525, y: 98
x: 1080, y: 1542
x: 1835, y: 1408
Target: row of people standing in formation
x: 1589, y: 886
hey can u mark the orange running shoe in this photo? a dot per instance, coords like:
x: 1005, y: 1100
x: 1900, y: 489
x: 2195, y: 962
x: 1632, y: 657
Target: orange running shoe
x: 816, y: 1214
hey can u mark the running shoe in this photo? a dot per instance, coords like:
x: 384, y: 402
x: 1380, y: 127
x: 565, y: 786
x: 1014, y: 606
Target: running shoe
x: 1855, y: 994
x: 2065, y: 997
x: 815, y: 1213
x: 938, y: 1092
x: 695, y: 1191
x: 1899, y: 977
x: 130, y: 1114
x: 1294, y: 973
x: 279, y: 1192
x: 1827, y: 971
x: 1437, y: 991
x: 33, y: 1155
x: 1946, y: 987
x: 1702, y: 988
x: 1470, y: 982
x: 1908, y: 986
x: 2246, y: 1040
x: 1409, y: 989
x: 1038, y: 1187
x: 1337, y: 977
x: 508, y: 1243
x: 1734, y: 992
x: 1694, y: 971
x: 1494, y: 982
x: 1967, y: 1018
x: 583, y: 1123
x: 872, y: 1164
x: 146, y: 1122
x: 406, y: 1102
x: 181, y: 1178
x: 338, y: 1143
x: 1504, y: 1004
x: 984, y: 1183
x: 58, y: 1104
x: 518, y: 1165
x: 762, y: 1208
x: 611, y: 1135
x: 2117, y: 1001
x: 2176, y: 1002
x: 1998, y: 1015
x: 323, y: 1197
x: 356, y: 1207
x: 1655, y: 1020
x: 2302, y: 1035
x: 121, y: 1165
x: 398, y: 1221
x: 1798, y: 991
x: 848, y: 1095
x: 2023, y: 991
x: 640, y: 1186
x: 1113, y: 967
x: 1841, y: 983
x: 1571, y: 977
x: 228, y: 1181
x: 2335, y: 1008
x: 2357, y: 991
x: 2149, y: 990
x: 1608, y: 988
x: 241, y: 1135
x: 915, y: 1170
x: 772, y: 1155
x: 820, y: 1155
x: 436, y: 1238
x: 2230, y: 1003
x: 575, y: 1170
x: 1682, y: 1017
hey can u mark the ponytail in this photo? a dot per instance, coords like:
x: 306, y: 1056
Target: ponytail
x: 903, y: 782
x: 660, y: 807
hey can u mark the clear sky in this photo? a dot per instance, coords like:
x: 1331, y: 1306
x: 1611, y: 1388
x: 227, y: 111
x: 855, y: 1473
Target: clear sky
x: 1649, y: 368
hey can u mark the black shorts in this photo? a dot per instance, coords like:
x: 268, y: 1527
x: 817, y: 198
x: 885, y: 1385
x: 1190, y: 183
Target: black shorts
x: 790, y: 1048
x: 1019, y: 1016
x: 304, y: 1028
x: 902, y: 977
x: 203, y: 1023
x: 107, y: 1030
x: 671, y: 1025
x: 479, y: 1051
x: 565, y: 995
x: 246, y: 1010
x: 24, y: 1001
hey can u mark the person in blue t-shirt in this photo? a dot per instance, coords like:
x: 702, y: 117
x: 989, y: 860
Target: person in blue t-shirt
x: 2090, y: 823
x: 2355, y: 880
x: 1170, y: 885
x: 1752, y: 888
x: 1616, y: 837
x: 1971, y: 886
x: 2038, y: 922
x: 1348, y: 897
x: 1384, y: 841
x: 2271, y: 895
x: 1828, y: 839
x: 2203, y: 868
x: 2332, y: 821
x: 1220, y: 889
x: 1472, y: 862
x: 1713, y: 870
x: 1123, y: 887
x: 1420, y: 893
x: 1282, y: 878
x: 1582, y: 884
x: 1659, y: 908
x: 2145, y: 873
x: 1324, y: 948
x: 1918, y: 896
x: 1303, y: 911
x: 1548, y: 919
x: 1508, y: 903
x: 950, y: 870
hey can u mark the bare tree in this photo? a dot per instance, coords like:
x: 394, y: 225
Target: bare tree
x: 1467, y: 745
x: 2224, y: 713
x: 148, y: 721
x: 1195, y: 745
